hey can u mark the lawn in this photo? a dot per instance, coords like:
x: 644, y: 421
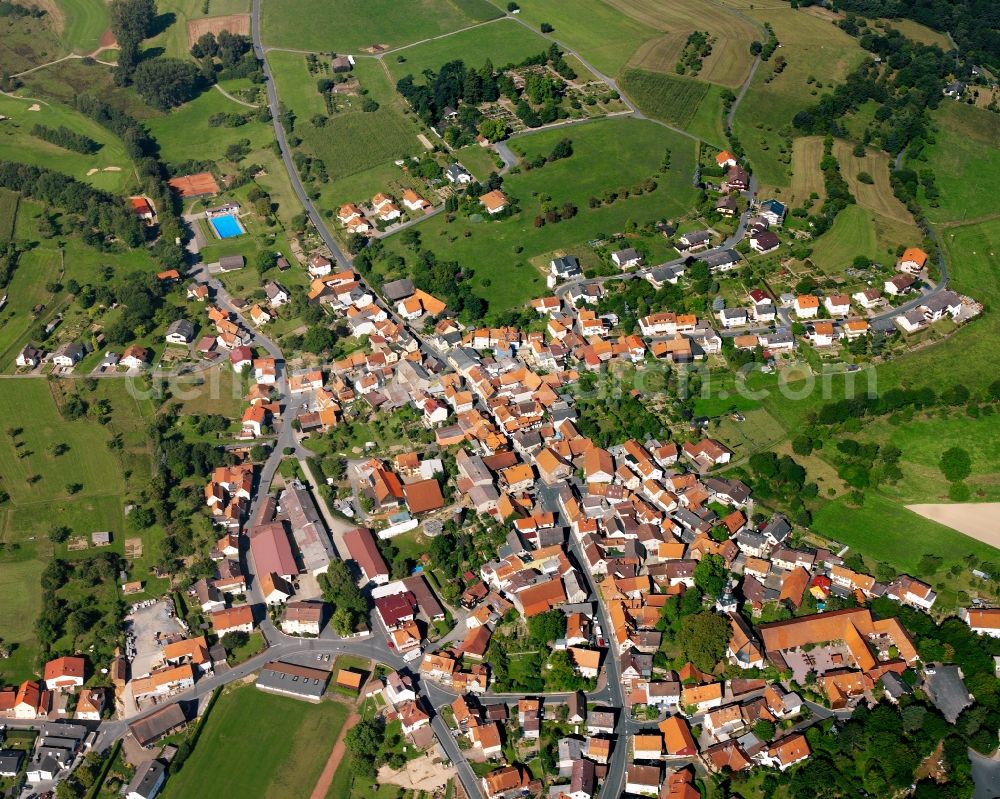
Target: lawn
x: 35, y: 509
x: 877, y: 196
x: 813, y: 48
x: 8, y: 213
x: 184, y: 133
x: 966, y: 162
x: 29, y: 404
x: 279, y: 758
x: 83, y: 22
x: 350, y: 26
x: 608, y: 153
x: 919, y: 33
x: 17, y: 144
x: 670, y: 99
x: 502, y: 42
x: 647, y: 34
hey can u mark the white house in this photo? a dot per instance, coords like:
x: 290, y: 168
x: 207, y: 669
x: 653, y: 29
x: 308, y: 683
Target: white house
x: 733, y: 317
x: 277, y: 295
x: 867, y: 299
x: 627, y: 258
x: 458, y: 174
x: 983, y: 621
x: 806, y: 306
x: 642, y: 780
x: 68, y: 355
x: 29, y: 356
x: 180, y: 331
x: 764, y: 312
x: 319, y: 265
x: 837, y: 304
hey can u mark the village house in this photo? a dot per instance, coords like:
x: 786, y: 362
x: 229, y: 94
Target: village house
x: 764, y: 242
x: 899, y: 284
x: 627, y: 258
x: 912, y: 261
x: 837, y: 304
x: 806, y: 306
x: 65, y: 673
x: 494, y: 202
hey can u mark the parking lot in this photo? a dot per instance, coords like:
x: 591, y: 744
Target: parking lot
x: 146, y: 622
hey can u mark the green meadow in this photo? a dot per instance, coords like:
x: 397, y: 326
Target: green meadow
x: 350, y: 26
x: 499, y: 252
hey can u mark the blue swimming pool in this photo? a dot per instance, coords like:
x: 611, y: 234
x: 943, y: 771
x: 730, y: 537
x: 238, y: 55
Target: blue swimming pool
x: 226, y: 227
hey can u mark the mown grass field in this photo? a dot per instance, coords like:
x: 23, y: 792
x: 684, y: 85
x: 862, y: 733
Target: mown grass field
x: 670, y: 99
x: 919, y: 33
x: 860, y: 231
x: 502, y: 42
x: 281, y: 758
x: 886, y: 531
x: 807, y: 179
x: 30, y: 405
x: 503, y: 274
x: 82, y: 23
x: 730, y: 60
x: 601, y: 33
x: 19, y: 582
x: 350, y: 26
x: 852, y: 233
x: 876, y: 196
x: 8, y: 213
x: 707, y: 122
x: 813, y: 48
x: 966, y: 162
x: 17, y: 144
x: 922, y: 442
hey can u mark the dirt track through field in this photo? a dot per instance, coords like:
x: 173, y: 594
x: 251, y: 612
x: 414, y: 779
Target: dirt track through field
x: 336, y: 755
x: 976, y: 519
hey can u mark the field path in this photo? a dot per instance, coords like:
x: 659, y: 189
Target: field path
x: 336, y: 755
x: 235, y: 99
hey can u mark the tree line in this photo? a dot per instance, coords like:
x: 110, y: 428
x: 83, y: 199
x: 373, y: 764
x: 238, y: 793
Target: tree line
x: 66, y: 138
x: 97, y: 210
